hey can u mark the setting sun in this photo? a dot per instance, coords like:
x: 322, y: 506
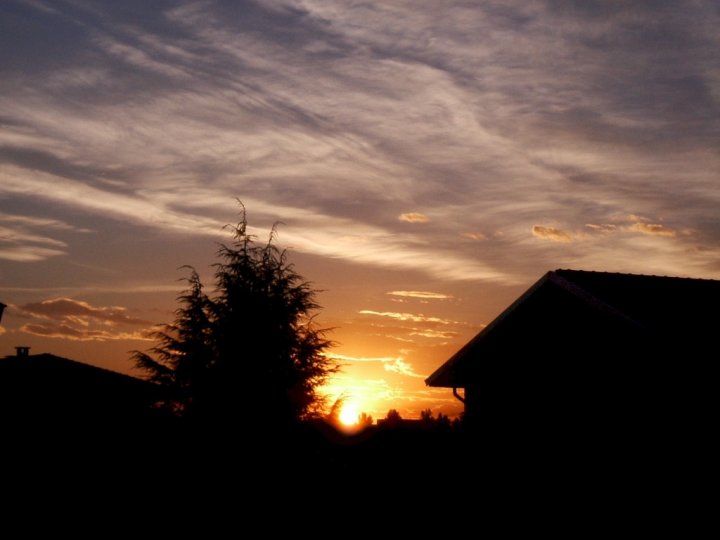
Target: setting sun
x: 349, y: 414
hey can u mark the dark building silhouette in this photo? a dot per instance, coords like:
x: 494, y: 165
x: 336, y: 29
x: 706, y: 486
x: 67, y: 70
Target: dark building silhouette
x: 48, y: 388
x: 2, y: 309
x: 594, y: 355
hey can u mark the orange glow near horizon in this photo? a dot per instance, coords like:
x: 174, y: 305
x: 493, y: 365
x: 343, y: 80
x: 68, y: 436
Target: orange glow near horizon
x: 349, y: 414
x: 379, y: 372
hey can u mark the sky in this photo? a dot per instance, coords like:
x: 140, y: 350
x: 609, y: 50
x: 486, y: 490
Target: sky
x: 428, y: 161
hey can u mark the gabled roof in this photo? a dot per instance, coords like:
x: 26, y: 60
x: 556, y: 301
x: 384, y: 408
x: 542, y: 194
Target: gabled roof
x: 50, y: 366
x: 49, y: 384
x: 649, y: 305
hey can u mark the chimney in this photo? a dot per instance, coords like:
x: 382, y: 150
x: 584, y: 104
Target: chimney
x: 22, y: 352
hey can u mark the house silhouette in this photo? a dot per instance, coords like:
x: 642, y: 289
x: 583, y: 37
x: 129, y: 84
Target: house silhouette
x: 45, y: 388
x: 595, y: 356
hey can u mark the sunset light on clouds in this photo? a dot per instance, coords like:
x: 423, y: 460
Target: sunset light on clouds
x: 425, y: 163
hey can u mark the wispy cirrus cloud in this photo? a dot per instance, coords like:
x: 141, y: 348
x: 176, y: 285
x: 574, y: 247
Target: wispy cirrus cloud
x: 145, y: 123
x: 312, y: 232
x: 64, y: 331
x: 421, y: 295
x: 24, y: 253
x: 39, y: 222
x: 346, y: 358
x: 77, y: 310
x: 654, y: 229
x: 397, y: 364
x: 27, y: 239
x: 411, y: 317
x: 416, y: 328
x: 434, y: 334
x: 316, y: 95
x: 401, y: 367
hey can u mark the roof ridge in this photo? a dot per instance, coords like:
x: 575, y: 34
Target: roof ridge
x: 591, y: 298
x: 85, y: 365
x: 679, y: 278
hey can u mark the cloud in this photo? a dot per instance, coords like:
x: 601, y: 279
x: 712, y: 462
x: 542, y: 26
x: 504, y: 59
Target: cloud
x: 654, y: 229
x: 315, y: 233
x: 64, y: 331
x: 75, y: 320
x: 474, y: 236
x: 414, y: 217
x: 407, y: 317
x: 63, y: 309
x: 435, y: 334
x: 641, y: 225
x: 415, y: 328
x: 401, y: 367
x: 602, y: 228
x: 551, y: 233
x: 396, y: 364
x: 334, y: 117
x: 27, y: 253
x: 345, y: 358
x: 318, y: 95
x: 17, y: 236
x: 26, y: 239
x: 38, y: 222
x: 422, y: 295
x: 331, y: 117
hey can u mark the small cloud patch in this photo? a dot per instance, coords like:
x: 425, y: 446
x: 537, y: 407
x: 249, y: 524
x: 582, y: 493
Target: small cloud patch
x: 422, y: 295
x: 412, y: 317
x: 602, y: 228
x: 401, y: 367
x: 478, y: 236
x: 551, y: 233
x: 414, y: 217
x: 76, y: 320
x: 654, y: 229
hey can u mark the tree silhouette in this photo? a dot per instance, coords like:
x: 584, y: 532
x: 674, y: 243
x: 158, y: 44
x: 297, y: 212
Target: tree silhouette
x: 251, y: 346
x: 429, y: 422
x: 393, y: 418
x: 185, y: 352
x: 333, y: 416
x: 365, y: 420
